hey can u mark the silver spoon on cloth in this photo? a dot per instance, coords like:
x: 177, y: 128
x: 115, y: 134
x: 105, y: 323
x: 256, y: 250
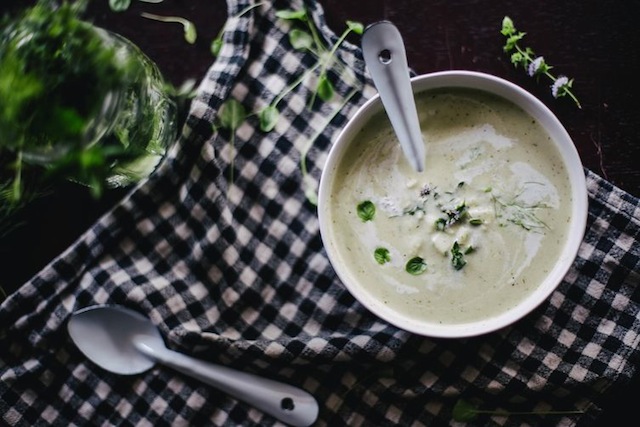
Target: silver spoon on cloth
x: 386, y: 58
x: 125, y: 342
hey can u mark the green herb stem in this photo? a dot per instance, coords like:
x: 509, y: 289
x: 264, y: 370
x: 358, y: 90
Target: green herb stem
x: 334, y: 49
x: 465, y: 410
x: 312, y: 29
x: 17, y: 180
x: 294, y: 84
x: 311, y: 194
x: 520, y: 413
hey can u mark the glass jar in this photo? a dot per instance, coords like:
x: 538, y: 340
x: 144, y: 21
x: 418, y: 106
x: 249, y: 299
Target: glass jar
x: 139, y: 118
x: 145, y: 120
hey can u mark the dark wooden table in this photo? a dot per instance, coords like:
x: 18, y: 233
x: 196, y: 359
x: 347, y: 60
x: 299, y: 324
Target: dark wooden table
x: 597, y: 43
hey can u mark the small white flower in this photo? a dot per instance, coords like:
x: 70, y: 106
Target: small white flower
x: 560, y: 83
x: 535, y: 66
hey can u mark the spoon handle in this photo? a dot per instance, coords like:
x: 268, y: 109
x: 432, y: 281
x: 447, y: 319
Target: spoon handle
x: 386, y: 59
x: 287, y: 403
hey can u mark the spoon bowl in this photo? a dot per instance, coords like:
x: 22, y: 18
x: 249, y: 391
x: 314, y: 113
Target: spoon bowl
x: 107, y: 336
x: 125, y: 342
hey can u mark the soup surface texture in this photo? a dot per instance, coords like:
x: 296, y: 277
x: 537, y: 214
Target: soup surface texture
x: 470, y: 236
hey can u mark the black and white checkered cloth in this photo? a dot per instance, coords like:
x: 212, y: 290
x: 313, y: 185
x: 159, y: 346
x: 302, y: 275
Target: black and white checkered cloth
x: 236, y: 274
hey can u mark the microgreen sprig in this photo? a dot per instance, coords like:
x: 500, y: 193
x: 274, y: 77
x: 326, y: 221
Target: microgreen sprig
x: 216, y: 43
x: 534, y: 65
x: 306, y: 39
x: 190, y: 33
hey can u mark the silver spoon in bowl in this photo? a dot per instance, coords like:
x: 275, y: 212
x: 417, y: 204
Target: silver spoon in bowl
x: 386, y: 58
x: 125, y: 342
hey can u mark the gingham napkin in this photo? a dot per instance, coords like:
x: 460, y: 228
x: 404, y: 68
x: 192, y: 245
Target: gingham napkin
x: 234, y: 272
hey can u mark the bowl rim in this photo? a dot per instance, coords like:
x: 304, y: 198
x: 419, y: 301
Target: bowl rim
x: 577, y: 226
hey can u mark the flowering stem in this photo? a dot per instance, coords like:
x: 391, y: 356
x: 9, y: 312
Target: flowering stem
x: 567, y: 91
x: 534, y: 65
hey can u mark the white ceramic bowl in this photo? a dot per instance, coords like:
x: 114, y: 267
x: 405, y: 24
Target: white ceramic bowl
x: 542, y: 292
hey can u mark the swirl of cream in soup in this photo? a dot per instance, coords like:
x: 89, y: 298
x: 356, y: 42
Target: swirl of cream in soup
x: 474, y: 233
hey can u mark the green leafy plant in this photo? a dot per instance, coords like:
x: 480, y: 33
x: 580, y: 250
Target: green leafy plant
x: 534, y: 65
x: 55, y: 72
x: 71, y: 96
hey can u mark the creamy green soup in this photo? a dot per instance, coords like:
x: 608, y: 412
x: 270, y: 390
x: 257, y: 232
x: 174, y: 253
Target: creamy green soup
x: 470, y: 236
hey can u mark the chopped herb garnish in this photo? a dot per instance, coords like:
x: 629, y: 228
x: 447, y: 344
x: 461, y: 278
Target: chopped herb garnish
x: 418, y: 207
x: 416, y: 266
x: 519, y: 212
x: 425, y: 190
x: 366, y: 210
x: 457, y: 257
x: 453, y: 216
x: 382, y: 255
x: 455, y: 213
